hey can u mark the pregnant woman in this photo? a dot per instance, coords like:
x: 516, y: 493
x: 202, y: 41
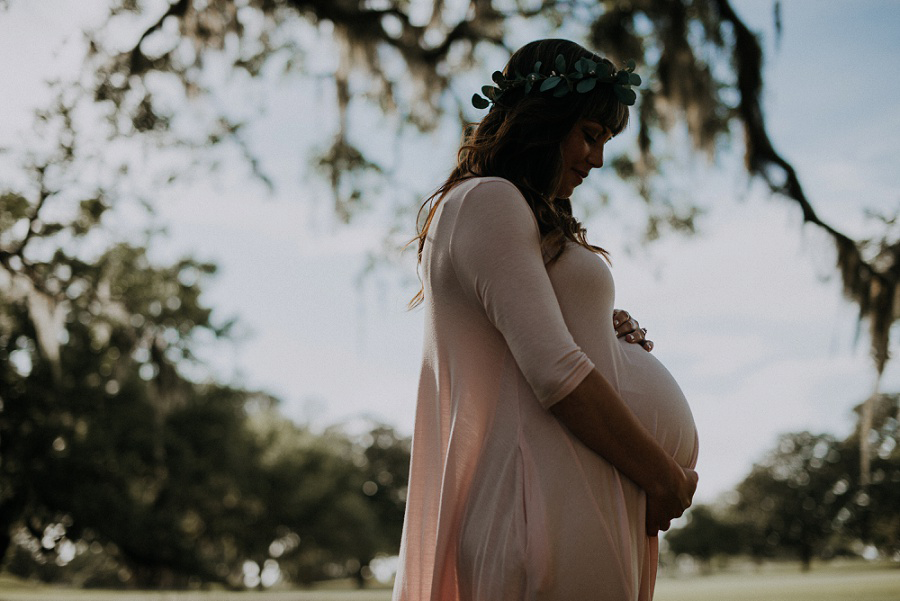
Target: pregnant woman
x: 547, y: 452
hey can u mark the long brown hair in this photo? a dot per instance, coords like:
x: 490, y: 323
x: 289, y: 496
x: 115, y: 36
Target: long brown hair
x: 520, y: 140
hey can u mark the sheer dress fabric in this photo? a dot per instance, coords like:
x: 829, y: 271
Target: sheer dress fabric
x: 504, y: 502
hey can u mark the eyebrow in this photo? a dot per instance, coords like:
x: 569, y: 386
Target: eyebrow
x: 597, y: 124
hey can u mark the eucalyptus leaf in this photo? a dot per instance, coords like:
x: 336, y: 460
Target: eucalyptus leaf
x: 586, y: 85
x: 479, y: 102
x: 560, y: 64
x: 584, y: 77
x: 549, y: 83
x: 625, y: 95
x: 583, y: 65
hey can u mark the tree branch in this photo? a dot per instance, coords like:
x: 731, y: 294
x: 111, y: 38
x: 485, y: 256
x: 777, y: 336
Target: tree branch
x: 872, y: 289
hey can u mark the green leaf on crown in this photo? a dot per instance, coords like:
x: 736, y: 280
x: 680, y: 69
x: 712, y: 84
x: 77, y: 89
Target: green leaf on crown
x: 549, y: 83
x: 586, y: 85
x: 490, y: 92
x: 582, y: 79
x: 585, y: 65
x: 625, y: 95
x: 560, y: 64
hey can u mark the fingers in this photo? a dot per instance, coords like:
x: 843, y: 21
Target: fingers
x: 628, y: 328
x: 693, y: 478
x: 688, y: 489
x: 654, y: 527
x: 642, y: 340
x: 632, y: 332
x: 662, y: 510
x: 656, y: 520
x: 650, y: 519
x: 624, y: 324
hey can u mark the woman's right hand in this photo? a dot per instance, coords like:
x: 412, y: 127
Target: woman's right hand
x: 670, y: 503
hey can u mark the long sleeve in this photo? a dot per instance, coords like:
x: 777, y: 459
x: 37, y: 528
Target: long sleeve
x: 496, y: 254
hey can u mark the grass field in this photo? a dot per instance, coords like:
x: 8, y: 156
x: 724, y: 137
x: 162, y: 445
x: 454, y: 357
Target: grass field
x: 855, y: 582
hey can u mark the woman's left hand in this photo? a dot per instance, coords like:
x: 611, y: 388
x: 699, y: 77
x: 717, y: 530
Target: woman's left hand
x: 627, y: 327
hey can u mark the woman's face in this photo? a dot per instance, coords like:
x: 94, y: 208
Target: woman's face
x: 582, y: 150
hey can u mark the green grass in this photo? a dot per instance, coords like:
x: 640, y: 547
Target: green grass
x: 836, y: 582
x: 853, y: 582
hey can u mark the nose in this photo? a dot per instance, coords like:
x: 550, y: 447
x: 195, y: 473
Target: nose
x: 595, y: 157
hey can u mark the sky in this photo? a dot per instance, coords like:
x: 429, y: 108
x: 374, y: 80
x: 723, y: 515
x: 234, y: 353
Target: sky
x: 747, y: 314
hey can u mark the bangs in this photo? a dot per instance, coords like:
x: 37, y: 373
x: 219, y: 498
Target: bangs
x: 603, y: 107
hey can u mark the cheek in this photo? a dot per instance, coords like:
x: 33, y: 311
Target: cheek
x: 575, y: 151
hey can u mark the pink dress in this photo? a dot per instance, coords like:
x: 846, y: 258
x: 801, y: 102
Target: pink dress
x: 504, y: 503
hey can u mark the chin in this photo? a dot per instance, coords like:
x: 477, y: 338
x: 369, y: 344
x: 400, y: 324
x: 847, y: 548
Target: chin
x: 565, y: 192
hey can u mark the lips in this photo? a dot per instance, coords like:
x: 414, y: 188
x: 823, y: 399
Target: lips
x: 581, y: 174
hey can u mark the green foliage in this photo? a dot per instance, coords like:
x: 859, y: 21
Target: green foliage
x: 873, y: 514
x: 15, y: 208
x: 583, y: 79
x: 805, y: 499
x: 787, y: 502
x: 119, y: 468
x: 706, y: 535
x: 184, y: 481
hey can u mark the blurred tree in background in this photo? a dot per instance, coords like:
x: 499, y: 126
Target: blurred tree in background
x: 805, y: 500
x: 122, y: 460
x: 706, y: 535
x: 109, y: 451
x: 787, y: 503
x: 874, y: 516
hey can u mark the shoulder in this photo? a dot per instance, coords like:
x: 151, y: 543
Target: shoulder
x: 487, y: 186
x: 491, y: 198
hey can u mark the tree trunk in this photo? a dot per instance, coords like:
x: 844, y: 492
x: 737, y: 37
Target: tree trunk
x: 5, y: 541
x: 10, y: 511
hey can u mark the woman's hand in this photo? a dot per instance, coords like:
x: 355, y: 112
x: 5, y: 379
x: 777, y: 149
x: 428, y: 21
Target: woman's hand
x: 627, y: 327
x: 663, y: 507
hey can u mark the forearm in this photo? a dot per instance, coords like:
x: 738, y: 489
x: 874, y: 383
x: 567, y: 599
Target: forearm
x: 596, y: 414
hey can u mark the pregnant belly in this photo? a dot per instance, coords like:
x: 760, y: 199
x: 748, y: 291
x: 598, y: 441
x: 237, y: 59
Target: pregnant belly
x: 655, y: 397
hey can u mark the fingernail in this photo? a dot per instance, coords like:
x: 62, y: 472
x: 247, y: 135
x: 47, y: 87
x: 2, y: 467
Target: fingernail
x: 616, y: 322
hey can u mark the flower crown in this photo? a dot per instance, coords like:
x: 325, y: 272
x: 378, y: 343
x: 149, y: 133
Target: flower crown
x: 583, y: 79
